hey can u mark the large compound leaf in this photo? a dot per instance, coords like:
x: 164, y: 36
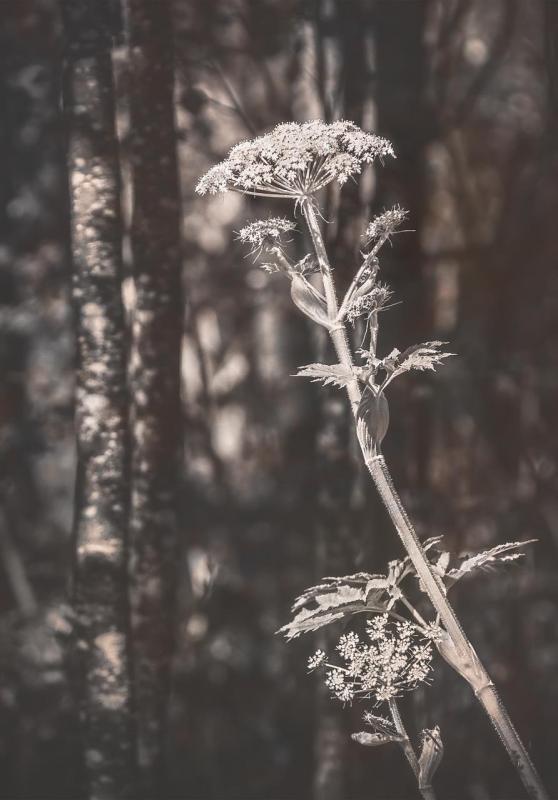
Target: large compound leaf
x: 334, y: 599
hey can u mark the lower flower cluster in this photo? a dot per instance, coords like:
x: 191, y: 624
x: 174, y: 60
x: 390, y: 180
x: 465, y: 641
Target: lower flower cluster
x: 394, y: 659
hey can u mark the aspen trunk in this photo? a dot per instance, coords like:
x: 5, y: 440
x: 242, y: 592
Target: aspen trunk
x: 101, y: 404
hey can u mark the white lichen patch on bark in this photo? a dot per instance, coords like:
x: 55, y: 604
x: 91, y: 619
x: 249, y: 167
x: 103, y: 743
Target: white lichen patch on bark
x: 112, y: 645
x: 94, y: 320
x: 110, y: 652
x: 111, y: 550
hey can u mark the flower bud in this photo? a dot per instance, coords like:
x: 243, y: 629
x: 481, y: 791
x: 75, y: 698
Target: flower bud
x: 374, y: 411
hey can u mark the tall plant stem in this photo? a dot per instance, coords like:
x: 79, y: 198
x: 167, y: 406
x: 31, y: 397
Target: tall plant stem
x: 427, y: 792
x: 457, y: 650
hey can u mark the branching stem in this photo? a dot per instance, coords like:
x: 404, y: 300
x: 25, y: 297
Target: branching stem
x: 461, y: 655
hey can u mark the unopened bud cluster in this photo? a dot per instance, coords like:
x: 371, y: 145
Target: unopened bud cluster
x: 384, y: 225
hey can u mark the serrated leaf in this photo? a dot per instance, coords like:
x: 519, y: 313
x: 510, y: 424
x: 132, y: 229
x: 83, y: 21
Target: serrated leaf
x: 331, y: 604
x: 307, y: 621
x: 330, y: 584
x: 357, y: 578
x: 333, y: 599
x: 419, y: 356
x: 341, y: 596
x: 374, y: 739
x: 488, y: 559
x: 381, y: 582
x: 331, y: 374
x: 422, y: 356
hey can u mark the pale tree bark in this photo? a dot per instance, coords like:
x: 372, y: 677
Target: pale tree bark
x: 155, y: 371
x: 101, y: 403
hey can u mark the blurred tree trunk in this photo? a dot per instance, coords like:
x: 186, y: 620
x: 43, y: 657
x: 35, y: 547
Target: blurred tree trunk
x: 155, y: 371
x: 37, y: 735
x: 101, y: 402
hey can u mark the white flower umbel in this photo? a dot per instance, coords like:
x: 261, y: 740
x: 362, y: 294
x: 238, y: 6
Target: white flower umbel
x: 265, y: 233
x: 391, y: 661
x: 295, y: 160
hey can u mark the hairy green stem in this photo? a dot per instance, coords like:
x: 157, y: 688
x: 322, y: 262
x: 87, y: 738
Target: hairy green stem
x: 461, y: 655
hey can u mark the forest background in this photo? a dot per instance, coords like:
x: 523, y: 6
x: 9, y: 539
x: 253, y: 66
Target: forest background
x: 235, y: 485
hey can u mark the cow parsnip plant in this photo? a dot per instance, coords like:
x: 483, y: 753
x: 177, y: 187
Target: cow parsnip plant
x: 296, y: 161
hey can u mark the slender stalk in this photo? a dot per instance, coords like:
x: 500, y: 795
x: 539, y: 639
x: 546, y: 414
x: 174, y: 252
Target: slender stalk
x: 461, y: 655
x: 427, y: 792
x: 338, y: 331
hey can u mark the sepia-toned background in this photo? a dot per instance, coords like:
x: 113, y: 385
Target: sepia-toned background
x: 258, y: 469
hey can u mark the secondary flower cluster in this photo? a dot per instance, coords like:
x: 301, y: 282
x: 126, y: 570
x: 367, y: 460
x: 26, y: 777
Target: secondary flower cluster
x: 367, y: 303
x: 393, y: 661
x: 295, y: 160
x: 265, y: 232
x: 384, y: 225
